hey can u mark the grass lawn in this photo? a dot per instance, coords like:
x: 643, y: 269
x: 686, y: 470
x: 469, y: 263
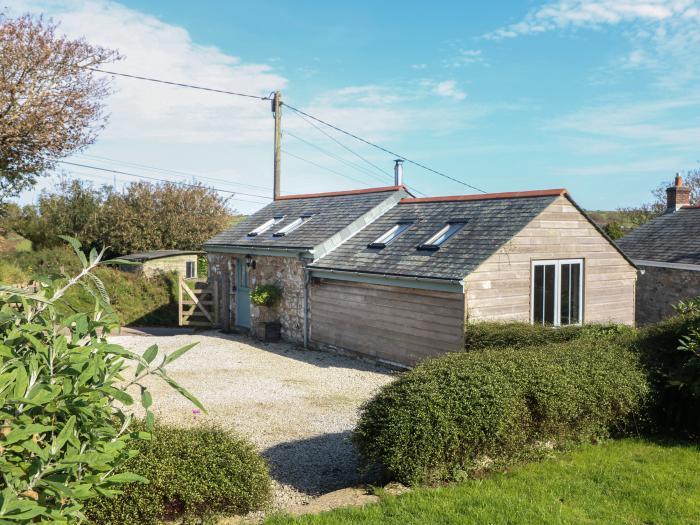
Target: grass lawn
x: 625, y: 482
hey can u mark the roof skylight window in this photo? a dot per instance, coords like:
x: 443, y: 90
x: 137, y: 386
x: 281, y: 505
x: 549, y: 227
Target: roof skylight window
x: 289, y: 228
x: 442, y: 235
x: 266, y: 225
x: 390, y: 235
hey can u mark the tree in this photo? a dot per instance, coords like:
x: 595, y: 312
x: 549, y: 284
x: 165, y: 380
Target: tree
x: 51, y: 105
x: 150, y: 216
x: 144, y: 217
x: 72, y: 209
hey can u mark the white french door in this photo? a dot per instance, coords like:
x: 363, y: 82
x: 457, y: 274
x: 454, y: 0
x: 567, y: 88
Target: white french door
x: 557, y: 292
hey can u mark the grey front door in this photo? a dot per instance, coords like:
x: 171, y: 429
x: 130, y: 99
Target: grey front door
x: 242, y: 295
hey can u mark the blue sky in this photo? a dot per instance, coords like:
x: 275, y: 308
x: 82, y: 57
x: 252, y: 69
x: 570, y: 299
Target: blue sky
x: 601, y: 97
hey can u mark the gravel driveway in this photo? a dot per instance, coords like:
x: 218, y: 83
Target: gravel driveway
x: 297, y: 406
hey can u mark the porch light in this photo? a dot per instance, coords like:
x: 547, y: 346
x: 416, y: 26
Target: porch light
x: 249, y: 261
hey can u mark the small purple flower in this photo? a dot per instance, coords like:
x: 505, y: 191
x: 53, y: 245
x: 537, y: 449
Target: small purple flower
x: 196, y: 411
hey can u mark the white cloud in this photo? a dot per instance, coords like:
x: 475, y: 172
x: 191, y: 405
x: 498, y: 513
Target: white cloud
x: 419, y: 66
x: 465, y: 57
x: 155, y: 49
x: 595, y: 13
x: 449, y: 89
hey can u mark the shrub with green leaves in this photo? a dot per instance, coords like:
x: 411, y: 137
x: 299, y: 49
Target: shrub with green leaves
x: 64, y: 435
x: 461, y: 413
x: 195, y: 475
x: 486, y: 334
x: 266, y: 295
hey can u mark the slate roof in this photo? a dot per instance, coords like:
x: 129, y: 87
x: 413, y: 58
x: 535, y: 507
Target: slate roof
x: 492, y: 221
x: 330, y: 213
x: 670, y: 238
x: 157, y: 254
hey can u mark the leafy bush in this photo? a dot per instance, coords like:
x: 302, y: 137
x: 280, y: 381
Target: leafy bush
x: 195, y: 475
x: 669, y: 350
x: 62, y: 388
x: 11, y: 273
x: 135, y: 298
x: 266, y: 295
x: 481, y: 335
x: 456, y: 414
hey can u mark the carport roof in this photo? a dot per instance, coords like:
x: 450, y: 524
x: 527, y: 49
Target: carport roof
x: 489, y: 220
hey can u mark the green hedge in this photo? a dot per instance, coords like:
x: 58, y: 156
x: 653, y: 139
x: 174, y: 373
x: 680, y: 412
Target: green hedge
x: 674, y: 409
x: 481, y: 335
x: 195, y: 475
x: 455, y: 415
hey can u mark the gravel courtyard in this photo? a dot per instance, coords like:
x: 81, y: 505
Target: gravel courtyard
x: 297, y: 406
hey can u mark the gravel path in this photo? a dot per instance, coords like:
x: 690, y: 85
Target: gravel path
x: 297, y: 406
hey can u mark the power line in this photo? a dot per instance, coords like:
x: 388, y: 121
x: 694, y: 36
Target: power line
x: 118, y: 172
x: 382, y: 148
x: 333, y: 155
x: 384, y: 172
x: 178, y: 84
x: 168, y: 170
x: 323, y: 167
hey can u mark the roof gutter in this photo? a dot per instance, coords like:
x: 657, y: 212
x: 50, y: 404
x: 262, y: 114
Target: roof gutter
x: 670, y: 265
x: 300, y: 252
x: 385, y: 279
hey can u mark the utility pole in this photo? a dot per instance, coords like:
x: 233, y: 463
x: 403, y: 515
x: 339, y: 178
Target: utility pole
x: 277, y: 112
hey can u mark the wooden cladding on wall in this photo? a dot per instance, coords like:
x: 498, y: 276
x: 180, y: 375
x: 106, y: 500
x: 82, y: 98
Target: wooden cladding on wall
x: 399, y: 325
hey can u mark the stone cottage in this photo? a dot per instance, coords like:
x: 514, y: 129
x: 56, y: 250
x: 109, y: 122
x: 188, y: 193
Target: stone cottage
x: 383, y: 274
x: 667, y: 251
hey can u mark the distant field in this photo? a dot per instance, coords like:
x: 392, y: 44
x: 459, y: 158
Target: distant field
x: 603, y: 217
x: 625, y: 482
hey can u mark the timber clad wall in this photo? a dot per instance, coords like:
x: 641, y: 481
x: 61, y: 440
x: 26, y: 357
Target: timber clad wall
x: 500, y: 288
x: 399, y: 325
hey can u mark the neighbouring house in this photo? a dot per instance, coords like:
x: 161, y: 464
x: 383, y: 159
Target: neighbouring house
x: 183, y: 262
x: 380, y: 273
x: 667, y: 251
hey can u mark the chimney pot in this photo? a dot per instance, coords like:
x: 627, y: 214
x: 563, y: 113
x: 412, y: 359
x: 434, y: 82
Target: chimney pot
x: 677, y: 195
x: 398, y: 172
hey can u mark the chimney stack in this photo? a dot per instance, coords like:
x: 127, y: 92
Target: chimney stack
x: 677, y: 195
x: 398, y: 172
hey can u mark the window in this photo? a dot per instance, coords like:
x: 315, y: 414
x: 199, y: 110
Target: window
x: 292, y: 226
x: 557, y: 292
x: 442, y: 235
x: 266, y: 225
x: 391, y: 235
x: 190, y: 270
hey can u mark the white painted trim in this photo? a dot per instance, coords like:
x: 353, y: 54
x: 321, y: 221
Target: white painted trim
x: 674, y: 266
x: 557, y: 287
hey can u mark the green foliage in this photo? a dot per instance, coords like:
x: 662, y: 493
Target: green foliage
x: 136, y: 298
x: 455, y: 415
x: 62, y: 389
x: 626, y: 482
x: 482, y: 335
x: 11, y: 273
x: 202, y: 266
x: 143, y: 217
x: 195, y: 475
x: 614, y: 230
x: 670, y: 350
x: 266, y: 295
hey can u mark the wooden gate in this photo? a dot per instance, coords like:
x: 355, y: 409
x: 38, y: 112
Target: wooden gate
x: 197, y: 303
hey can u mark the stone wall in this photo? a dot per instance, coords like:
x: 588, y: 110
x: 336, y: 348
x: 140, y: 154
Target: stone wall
x: 286, y: 272
x: 658, y: 289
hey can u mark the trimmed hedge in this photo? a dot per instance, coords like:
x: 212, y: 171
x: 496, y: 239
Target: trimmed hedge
x: 482, y: 335
x: 195, y: 475
x: 461, y: 413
